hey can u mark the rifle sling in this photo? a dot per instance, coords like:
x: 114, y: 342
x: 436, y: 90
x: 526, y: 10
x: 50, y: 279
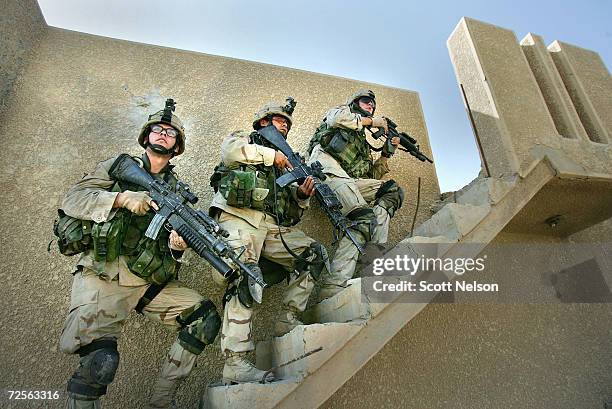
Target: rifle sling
x: 149, y: 295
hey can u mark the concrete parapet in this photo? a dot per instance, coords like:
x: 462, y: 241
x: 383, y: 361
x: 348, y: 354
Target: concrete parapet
x: 590, y: 87
x: 528, y: 101
x: 494, y: 144
x: 553, y: 90
x: 22, y: 26
x: 508, y: 109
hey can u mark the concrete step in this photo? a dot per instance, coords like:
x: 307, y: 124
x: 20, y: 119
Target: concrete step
x: 485, y: 191
x: 301, y: 340
x: 453, y: 221
x: 348, y: 305
x: 247, y: 395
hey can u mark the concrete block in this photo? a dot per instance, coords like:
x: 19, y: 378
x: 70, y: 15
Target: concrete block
x: 485, y: 191
x: 303, y: 339
x: 453, y: 221
x: 553, y: 90
x: 495, y: 146
x: 246, y: 395
x: 589, y: 85
x: 348, y: 305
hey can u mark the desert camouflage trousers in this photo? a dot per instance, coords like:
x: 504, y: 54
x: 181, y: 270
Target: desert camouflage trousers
x: 353, y: 194
x: 263, y: 241
x: 99, y: 308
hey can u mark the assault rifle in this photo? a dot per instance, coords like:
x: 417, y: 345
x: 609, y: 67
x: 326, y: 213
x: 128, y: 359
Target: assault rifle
x: 327, y: 198
x: 407, y: 143
x: 200, y: 231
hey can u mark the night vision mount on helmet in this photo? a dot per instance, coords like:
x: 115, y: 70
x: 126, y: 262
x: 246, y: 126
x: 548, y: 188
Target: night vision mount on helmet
x: 165, y: 116
x: 274, y: 108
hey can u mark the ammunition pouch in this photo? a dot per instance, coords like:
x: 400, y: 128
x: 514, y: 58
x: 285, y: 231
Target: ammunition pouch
x: 252, y: 186
x: 337, y: 143
x: 73, y: 235
x: 107, y: 237
x: 349, y: 148
x: 153, y: 261
x: 244, y: 188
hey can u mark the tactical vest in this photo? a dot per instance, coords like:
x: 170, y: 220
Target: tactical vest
x: 254, y: 187
x: 349, y: 147
x: 124, y: 235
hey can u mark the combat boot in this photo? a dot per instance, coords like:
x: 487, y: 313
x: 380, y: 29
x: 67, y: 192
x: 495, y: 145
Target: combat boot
x: 287, y: 321
x: 163, y: 394
x: 238, y: 369
x: 74, y: 403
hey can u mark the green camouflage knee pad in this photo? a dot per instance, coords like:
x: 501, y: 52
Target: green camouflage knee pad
x: 390, y: 197
x: 200, y: 326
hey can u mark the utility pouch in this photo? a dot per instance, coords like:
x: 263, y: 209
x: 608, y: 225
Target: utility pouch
x: 152, y: 263
x: 107, y: 237
x: 260, y: 192
x: 147, y: 260
x: 73, y: 235
x: 237, y: 187
x: 337, y: 142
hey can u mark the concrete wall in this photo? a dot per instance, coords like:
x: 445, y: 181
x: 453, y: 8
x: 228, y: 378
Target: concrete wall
x: 82, y: 99
x: 495, y: 355
x: 21, y: 27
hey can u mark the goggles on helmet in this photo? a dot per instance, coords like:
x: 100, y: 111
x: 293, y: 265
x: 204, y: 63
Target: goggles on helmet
x: 367, y: 101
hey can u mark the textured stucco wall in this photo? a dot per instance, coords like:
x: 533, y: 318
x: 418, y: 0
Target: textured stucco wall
x: 21, y: 27
x: 82, y: 100
x: 495, y: 355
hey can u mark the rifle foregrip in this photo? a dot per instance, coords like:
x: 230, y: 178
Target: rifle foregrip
x: 200, y: 247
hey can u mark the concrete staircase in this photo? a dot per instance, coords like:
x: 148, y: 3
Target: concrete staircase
x: 352, y: 330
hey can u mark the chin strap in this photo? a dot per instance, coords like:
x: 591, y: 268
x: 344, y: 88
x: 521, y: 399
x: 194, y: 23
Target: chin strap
x: 161, y: 149
x: 355, y: 108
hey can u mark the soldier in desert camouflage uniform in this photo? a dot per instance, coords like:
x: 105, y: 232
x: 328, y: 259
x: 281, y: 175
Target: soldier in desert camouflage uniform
x: 259, y: 218
x: 124, y: 270
x: 340, y: 145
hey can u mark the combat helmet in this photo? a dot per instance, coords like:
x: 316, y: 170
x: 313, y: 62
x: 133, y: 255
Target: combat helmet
x: 353, y: 103
x: 165, y: 116
x: 275, y: 108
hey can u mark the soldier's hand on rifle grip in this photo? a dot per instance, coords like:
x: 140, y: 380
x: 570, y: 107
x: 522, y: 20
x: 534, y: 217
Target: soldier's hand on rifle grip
x: 380, y: 122
x: 138, y: 203
x: 176, y: 242
x: 389, y: 147
x: 281, y: 162
x: 306, y: 189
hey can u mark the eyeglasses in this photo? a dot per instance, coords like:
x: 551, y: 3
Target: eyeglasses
x: 367, y: 101
x: 282, y: 120
x: 170, y: 132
